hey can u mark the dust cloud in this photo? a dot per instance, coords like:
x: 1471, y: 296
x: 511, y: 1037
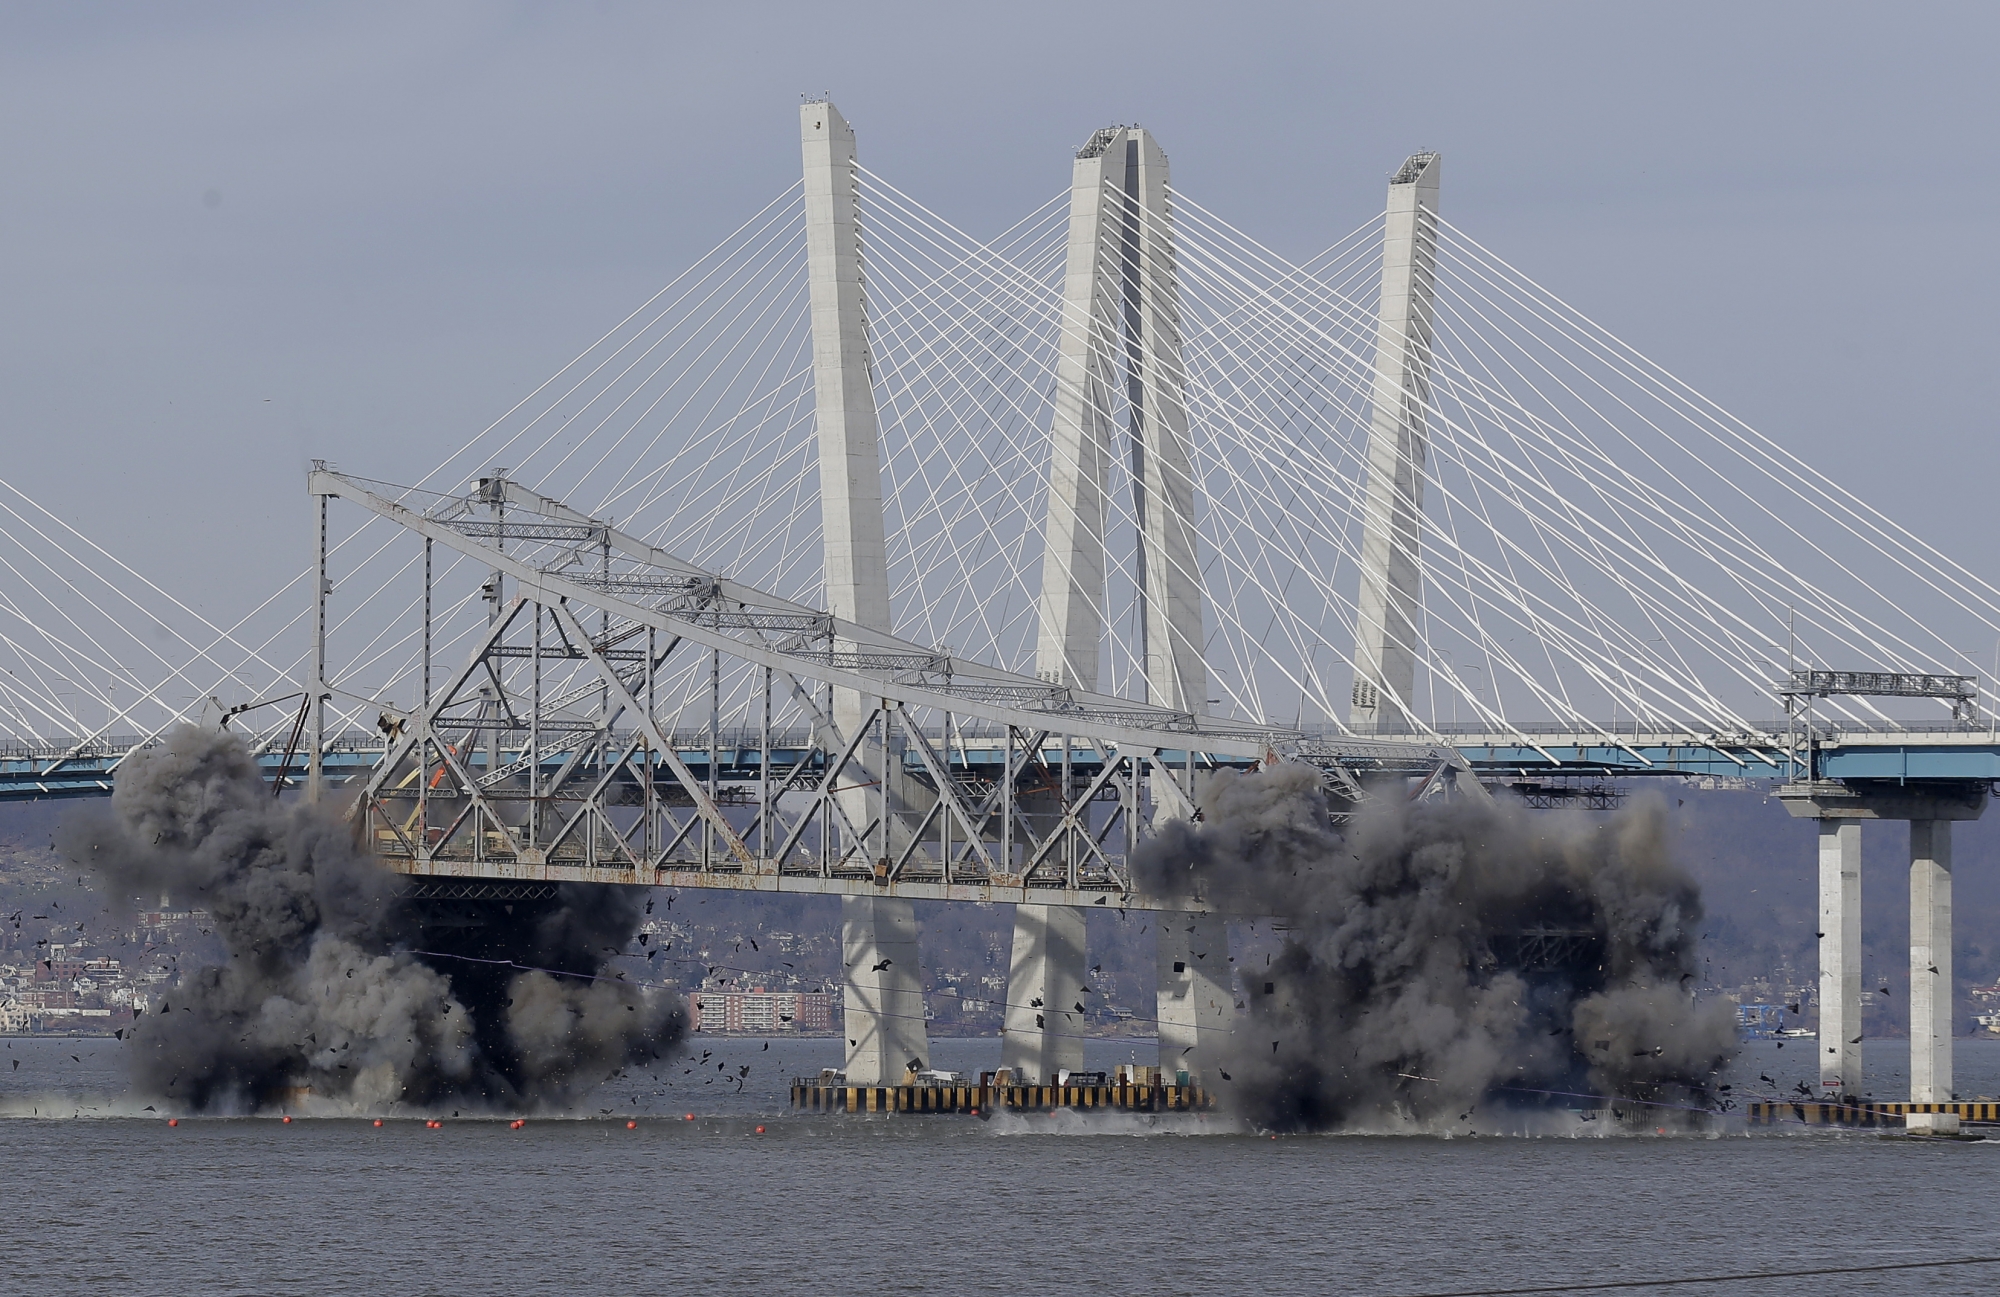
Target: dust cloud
x: 1444, y: 958
x: 337, y: 982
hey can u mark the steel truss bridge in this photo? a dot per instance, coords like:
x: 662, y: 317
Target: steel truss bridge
x: 873, y: 559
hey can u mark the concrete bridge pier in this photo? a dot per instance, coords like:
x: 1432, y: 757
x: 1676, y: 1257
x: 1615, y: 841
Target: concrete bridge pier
x: 1840, y: 807
x: 1044, y: 1031
x: 1197, y: 996
x: 1840, y: 956
x: 883, y: 999
x: 1930, y: 961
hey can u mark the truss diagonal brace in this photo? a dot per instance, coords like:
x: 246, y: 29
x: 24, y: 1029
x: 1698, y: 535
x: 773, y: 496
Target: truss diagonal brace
x: 948, y: 794
x: 445, y: 697
x: 1071, y: 824
x: 627, y: 702
x: 1129, y: 723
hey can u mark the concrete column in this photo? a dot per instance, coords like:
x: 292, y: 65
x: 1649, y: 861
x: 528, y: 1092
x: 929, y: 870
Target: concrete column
x: 857, y: 587
x: 884, y: 996
x: 850, y: 457
x: 1072, y: 620
x: 1840, y: 956
x: 1197, y: 1000
x: 1393, y: 502
x: 1163, y: 465
x: 1121, y: 307
x: 1044, y: 985
x: 1930, y: 961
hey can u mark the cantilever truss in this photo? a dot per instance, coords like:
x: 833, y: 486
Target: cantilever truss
x: 559, y: 747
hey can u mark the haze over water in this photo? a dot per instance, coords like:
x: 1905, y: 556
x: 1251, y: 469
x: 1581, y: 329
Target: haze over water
x: 113, y: 1202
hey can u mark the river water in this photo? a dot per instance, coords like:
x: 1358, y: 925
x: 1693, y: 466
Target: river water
x: 107, y: 1198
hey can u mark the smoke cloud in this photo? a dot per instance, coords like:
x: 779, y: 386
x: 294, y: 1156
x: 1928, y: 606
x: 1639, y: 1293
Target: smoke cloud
x: 1447, y: 955
x: 337, y: 982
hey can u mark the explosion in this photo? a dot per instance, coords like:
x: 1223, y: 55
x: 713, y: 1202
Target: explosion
x: 1417, y: 981
x: 336, y: 981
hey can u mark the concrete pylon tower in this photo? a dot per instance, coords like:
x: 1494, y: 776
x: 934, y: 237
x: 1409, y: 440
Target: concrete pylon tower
x: 1121, y: 324
x: 1162, y: 465
x: 1393, y: 502
x: 1080, y: 431
x: 883, y: 1001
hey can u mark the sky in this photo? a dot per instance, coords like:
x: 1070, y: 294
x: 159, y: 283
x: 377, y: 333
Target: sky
x: 234, y: 238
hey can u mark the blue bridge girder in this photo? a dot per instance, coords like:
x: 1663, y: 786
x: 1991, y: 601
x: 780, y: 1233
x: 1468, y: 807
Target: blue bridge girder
x: 1905, y: 755
x: 1909, y: 753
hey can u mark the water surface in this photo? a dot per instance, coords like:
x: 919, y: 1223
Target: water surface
x: 1067, y: 1204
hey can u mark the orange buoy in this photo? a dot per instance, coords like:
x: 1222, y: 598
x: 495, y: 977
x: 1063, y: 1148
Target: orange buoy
x: 288, y: 1121
x: 631, y: 1125
x: 689, y: 1117
x: 760, y: 1130
x: 173, y: 1121
x: 378, y: 1121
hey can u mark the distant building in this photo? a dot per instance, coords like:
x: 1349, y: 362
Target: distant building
x: 761, y: 1012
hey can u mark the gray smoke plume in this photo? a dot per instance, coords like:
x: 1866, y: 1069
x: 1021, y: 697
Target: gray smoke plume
x: 1443, y: 955
x: 336, y: 982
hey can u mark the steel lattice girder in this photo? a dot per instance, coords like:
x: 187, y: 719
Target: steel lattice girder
x: 1044, y: 830
x: 484, y: 834
x: 1107, y: 719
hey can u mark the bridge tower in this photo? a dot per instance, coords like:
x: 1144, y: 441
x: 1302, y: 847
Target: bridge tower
x: 1120, y: 324
x: 1393, y: 501
x: 883, y: 1000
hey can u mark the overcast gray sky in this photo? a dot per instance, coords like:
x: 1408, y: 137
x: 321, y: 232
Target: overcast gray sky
x: 234, y: 237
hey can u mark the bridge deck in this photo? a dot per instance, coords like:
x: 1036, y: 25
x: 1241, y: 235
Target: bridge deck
x: 60, y: 769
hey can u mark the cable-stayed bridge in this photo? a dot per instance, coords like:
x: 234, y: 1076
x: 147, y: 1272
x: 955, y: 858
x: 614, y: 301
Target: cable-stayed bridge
x: 872, y: 558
